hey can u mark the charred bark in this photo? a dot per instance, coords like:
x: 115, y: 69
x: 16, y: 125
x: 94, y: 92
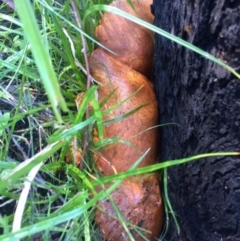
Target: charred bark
x: 203, y: 99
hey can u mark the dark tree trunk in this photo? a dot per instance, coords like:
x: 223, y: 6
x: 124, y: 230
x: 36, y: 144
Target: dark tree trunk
x: 203, y: 99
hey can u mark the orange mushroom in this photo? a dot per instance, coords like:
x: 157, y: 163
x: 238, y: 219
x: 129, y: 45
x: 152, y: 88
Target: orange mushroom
x: 125, y: 74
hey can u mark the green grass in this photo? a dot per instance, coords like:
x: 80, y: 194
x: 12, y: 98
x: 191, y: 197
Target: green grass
x: 42, y: 69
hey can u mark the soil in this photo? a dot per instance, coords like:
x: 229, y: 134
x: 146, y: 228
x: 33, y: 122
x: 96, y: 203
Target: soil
x: 203, y: 100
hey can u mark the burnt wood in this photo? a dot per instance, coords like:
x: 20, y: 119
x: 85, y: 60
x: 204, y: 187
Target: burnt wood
x: 203, y: 99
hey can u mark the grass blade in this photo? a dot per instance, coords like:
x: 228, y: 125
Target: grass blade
x: 41, y: 56
x: 161, y: 32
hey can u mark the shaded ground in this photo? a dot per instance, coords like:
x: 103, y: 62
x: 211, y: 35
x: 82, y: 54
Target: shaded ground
x: 204, y: 100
